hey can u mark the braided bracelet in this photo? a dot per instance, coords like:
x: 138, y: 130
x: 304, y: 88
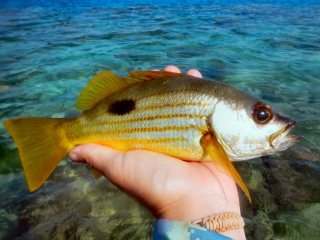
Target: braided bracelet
x: 221, y: 222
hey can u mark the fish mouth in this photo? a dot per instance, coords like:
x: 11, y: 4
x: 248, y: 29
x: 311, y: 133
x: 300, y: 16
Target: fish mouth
x: 281, y: 139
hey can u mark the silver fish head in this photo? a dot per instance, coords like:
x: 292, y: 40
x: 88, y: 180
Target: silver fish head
x: 248, y: 128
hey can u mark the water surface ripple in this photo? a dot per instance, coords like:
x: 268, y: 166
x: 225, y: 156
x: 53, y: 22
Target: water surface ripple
x: 49, y: 52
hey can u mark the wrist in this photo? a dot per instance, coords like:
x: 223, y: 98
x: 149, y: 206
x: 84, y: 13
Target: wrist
x: 191, y: 208
x: 197, y: 207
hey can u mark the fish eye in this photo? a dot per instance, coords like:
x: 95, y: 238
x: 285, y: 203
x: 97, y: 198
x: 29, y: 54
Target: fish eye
x: 262, y: 113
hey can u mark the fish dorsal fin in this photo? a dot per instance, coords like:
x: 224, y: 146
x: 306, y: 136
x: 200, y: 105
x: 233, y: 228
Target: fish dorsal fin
x: 215, y: 151
x: 150, y: 75
x: 100, y: 86
x: 106, y: 83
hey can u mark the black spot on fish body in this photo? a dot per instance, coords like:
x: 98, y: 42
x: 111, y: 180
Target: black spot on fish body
x: 122, y: 107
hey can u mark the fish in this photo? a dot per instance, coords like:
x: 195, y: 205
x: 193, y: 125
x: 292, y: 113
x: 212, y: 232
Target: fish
x: 182, y: 116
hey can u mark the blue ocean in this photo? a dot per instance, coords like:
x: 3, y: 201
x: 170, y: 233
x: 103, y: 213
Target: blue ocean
x: 50, y: 49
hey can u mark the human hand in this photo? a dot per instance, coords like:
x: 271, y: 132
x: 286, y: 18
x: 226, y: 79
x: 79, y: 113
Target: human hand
x: 170, y: 188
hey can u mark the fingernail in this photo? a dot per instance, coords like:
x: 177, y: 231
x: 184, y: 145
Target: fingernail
x: 195, y: 73
x: 74, y: 154
x: 173, y: 69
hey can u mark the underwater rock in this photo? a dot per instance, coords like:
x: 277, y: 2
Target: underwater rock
x: 252, y: 173
x: 278, y: 176
x: 291, y: 181
x: 256, y: 215
x: 312, y: 213
x: 13, y: 189
x: 7, y: 221
x: 285, y: 195
x: 4, y: 88
x: 9, y: 158
x: 301, y: 152
x: 300, y: 224
x: 73, y: 205
x: 259, y: 227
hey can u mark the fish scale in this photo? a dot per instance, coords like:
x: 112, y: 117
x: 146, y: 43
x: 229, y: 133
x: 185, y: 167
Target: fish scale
x: 175, y: 127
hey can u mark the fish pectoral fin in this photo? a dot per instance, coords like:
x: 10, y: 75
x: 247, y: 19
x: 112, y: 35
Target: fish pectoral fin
x: 99, y: 87
x: 215, y: 151
x: 151, y: 75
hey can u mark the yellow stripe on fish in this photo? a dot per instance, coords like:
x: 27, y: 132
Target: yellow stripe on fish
x: 151, y: 118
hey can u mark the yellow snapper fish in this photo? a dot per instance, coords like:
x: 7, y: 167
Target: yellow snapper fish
x: 175, y: 114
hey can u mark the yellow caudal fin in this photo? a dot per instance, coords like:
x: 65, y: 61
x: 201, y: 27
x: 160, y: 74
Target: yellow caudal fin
x: 41, y: 146
x: 215, y: 151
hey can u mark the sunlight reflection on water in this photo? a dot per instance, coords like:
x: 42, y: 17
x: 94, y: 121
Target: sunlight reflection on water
x: 48, y: 54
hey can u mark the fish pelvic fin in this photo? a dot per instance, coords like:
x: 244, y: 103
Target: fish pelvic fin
x: 41, y: 144
x: 215, y: 151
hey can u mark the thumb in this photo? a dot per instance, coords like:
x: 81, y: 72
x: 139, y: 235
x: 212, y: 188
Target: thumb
x: 104, y: 159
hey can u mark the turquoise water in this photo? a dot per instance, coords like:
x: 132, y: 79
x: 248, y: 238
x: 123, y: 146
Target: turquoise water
x: 49, y: 50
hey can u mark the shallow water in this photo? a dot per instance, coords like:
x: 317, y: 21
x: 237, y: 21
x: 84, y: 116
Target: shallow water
x: 49, y: 50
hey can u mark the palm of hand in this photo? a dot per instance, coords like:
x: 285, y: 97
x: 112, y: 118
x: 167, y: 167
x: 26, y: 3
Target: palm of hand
x: 165, y: 183
x: 172, y: 183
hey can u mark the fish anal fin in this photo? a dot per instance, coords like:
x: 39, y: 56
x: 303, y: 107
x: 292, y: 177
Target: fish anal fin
x: 215, y: 151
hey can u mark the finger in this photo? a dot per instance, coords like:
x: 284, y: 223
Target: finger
x: 99, y: 157
x: 172, y: 68
x: 133, y: 172
x: 195, y: 73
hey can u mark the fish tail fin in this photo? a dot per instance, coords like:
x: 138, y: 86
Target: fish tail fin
x: 42, y: 145
x: 216, y: 153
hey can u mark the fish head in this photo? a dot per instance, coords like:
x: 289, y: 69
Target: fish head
x: 248, y: 128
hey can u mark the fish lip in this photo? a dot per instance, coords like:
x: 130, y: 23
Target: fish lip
x: 288, y: 140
